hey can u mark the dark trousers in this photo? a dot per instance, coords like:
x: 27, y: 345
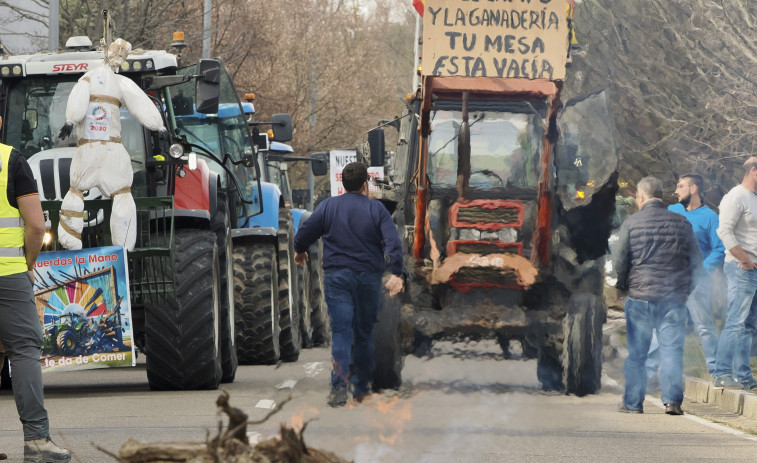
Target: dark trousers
x: 354, y: 300
x: 21, y: 335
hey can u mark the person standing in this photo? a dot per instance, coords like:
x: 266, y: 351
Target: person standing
x: 22, y: 228
x: 357, y: 233
x: 738, y: 230
x: 704, y: 221
x: 657, y: 262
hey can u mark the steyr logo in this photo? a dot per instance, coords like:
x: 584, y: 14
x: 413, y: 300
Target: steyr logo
x: 70, y: 67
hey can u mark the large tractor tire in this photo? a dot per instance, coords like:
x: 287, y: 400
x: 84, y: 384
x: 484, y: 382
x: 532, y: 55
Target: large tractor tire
x: 582, y: 347
x: 319, y: 314
x: 66, y: 342
x: 291, y: 341
x: 220, y: 224
x: 387, y: 355
x: 183, y: 333
x: 256, y: 303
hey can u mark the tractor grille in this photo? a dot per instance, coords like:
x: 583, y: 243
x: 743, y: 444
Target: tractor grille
x: 484, y: 248
x: 486, y: 276
x: 477, y: 214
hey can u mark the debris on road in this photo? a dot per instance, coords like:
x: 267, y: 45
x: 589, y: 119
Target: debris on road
x: 230, y: 445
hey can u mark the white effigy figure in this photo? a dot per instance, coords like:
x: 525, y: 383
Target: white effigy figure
x: 100, y: 159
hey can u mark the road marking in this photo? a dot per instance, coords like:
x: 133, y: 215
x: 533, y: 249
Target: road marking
x: 267, y: 404
x: 708, y: 423
x: 288, y: 384
x: 313, y: 368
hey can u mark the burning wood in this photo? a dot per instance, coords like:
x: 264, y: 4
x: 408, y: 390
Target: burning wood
x: 229, y: 445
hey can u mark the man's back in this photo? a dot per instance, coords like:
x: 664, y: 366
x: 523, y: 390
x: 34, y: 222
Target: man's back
x: 357, y: 231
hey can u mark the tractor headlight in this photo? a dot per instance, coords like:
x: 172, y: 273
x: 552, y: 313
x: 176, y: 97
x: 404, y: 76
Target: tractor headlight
x: 176, y: 151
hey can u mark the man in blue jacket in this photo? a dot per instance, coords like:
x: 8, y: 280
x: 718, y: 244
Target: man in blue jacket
x: 357, y: 233
x: 657, y: 262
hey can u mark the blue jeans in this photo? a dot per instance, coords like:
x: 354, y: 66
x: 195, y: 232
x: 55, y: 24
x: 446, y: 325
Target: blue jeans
x: 699, y: 305
x: 700, y: 309
x: 353, y: 300
x: 668, y: 319
x: 741, y: 317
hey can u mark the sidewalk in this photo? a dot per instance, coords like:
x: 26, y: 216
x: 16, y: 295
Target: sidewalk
x: 733, y: 407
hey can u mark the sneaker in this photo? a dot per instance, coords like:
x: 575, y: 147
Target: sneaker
x: 673, y: 409
x: 749, y: 385
x: 44, y: 451
x: 338, y: 397
x: 623, y: 409
x: 727, y: 382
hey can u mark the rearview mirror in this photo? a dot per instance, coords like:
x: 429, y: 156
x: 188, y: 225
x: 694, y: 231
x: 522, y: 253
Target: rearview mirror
x: 282, y: 127
x: 376, y: 143
x: 208, y: 88
x: 319, y: 164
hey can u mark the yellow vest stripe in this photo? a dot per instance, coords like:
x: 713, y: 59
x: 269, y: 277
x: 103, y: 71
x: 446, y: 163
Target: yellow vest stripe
x: 12, y: 258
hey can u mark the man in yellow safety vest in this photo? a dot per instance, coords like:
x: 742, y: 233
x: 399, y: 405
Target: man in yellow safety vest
x: 22, y: 229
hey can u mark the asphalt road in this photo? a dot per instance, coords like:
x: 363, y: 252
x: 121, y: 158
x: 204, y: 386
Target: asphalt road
x: 465, y: 404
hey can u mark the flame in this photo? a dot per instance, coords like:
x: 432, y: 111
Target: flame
x: 391, y: 429
x: 297, y: 422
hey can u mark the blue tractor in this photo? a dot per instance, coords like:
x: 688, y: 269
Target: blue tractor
x: 279, y: 307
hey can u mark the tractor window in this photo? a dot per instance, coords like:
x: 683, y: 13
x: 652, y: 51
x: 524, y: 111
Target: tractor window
x: 504, y: 149
x: 217, y: 136
x: 37, y: 112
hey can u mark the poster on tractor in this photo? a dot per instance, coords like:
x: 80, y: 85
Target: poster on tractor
x: 82, y: 298
x: 340, y: 158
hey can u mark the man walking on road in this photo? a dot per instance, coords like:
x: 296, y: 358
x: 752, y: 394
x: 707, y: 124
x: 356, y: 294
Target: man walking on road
x: 657, y: 262
x: 738, y: 230
x: 357, y: 233
x: 22, y: 227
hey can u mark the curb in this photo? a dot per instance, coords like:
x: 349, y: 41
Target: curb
x: 736, y: 401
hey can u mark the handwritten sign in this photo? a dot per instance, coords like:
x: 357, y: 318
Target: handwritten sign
x: 340, y: 158
x: 495, y: 38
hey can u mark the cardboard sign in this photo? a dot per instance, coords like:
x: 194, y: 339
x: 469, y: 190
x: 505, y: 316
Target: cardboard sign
x: 82, y: 299
x: 495, y: 38
x: 340, y: 158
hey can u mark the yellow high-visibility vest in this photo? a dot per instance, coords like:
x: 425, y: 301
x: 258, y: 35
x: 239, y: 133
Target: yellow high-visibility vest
x: 12, y: 258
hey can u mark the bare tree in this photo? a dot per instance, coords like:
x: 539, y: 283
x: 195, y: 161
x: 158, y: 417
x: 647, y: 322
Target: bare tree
x: 683, y: 77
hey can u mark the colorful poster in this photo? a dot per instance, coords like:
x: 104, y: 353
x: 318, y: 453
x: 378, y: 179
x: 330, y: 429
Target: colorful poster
x: 82, y: 299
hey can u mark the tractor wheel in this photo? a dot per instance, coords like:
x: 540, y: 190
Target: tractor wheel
x: 291, y: 341
x: 582, y: 348
x: 256, y: 303
x: 319, y: 314
x: 182, y: 335
x: 388, y: 347
x: 66, y: 342
x: 221, y: 226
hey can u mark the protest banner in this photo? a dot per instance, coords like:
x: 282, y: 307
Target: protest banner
x: 82, y: 298
x: 495, y: 38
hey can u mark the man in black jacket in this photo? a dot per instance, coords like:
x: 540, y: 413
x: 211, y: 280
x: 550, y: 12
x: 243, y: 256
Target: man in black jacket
x: 657, y: 261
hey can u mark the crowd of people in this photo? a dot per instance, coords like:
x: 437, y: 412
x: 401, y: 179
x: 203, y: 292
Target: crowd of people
x: 666, y: 260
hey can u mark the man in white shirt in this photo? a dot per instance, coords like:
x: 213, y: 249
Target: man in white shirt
x: 738, y: 231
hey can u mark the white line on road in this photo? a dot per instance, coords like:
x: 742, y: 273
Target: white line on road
x: 708, y: 423
x: 288, y: 384
x: 267, y: 404
x: 313, y: 368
